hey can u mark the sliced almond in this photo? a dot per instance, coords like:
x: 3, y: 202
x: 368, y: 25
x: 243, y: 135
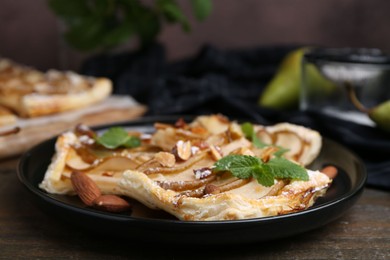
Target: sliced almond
x: 165, y: 159
x: 111, y: 203
x: 85, y: 187
x: 215, y: 152
x: 183, y: 150
x: 243, y: 151
x: 234, y: 131
x: 246, y: 151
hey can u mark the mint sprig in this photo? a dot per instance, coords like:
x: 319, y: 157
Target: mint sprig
x: 116, y: 137
x: 245, y: 166
x: 250, y: 134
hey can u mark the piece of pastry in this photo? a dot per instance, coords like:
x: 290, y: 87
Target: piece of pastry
x: 174, y: 168
x: 31, y: 93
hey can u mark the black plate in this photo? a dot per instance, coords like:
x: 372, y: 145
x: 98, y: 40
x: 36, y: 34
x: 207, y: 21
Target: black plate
x: 154, y: 226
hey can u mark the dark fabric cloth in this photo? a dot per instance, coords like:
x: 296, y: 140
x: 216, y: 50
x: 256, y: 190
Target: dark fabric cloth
x: 230, y: 82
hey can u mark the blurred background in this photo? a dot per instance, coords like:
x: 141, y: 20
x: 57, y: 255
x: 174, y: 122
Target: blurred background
x: 30, y: 32
x: 228, y: 63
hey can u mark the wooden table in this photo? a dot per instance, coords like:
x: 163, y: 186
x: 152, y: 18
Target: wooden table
x: 27, y: 233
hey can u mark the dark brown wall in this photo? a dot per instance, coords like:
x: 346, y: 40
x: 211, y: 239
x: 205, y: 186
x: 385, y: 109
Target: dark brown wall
x: 29, y: 32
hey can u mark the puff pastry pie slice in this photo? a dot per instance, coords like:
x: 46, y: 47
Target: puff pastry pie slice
x: 7, y: 118
x: 30, y: 93
x: 172, y: 170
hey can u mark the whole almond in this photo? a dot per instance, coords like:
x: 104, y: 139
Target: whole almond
x: 211, y: 189
x: 330, y: 171
x: 111, y: 203
x: 85, y: 187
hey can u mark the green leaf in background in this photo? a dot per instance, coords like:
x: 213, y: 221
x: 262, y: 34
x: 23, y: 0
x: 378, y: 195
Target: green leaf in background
x: 69, y: 9
x: 86, y: 34
x: 144, y: 19
x: 202, y: 8
x: 147, y: 26
x: 103, y: 7
x: 118, y: 34
x: 173, y: 13
x: 104, y: 24
x: 115, y: 137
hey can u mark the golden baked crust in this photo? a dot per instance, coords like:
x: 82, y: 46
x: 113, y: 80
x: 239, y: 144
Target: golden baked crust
x: 31, y: 93
x: 188, y: 188
x: 7, y: 117
x: 296, y: 196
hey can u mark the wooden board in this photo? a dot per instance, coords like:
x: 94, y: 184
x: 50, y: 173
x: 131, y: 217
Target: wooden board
x: 36, y: 130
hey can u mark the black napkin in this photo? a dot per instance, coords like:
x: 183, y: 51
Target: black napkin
x: 230, y: 82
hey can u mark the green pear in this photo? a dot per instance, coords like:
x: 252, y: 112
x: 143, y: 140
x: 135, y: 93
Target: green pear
x: 381, y: 115
x: 283, y: 90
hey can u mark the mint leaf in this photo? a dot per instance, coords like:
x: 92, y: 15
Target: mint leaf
x: 245, y: 166
x: 282, y: 168
x: 247, y: 129
x: 115, y: 137
x: 133, y: 141
x: 257, y: 142
x: 250, y: 134
x: 264, y: 176
x: 241, y: 166
x: 281, y: 151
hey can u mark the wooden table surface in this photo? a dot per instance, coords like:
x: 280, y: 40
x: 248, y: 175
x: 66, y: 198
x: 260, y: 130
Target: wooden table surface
x: 26, y: 232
